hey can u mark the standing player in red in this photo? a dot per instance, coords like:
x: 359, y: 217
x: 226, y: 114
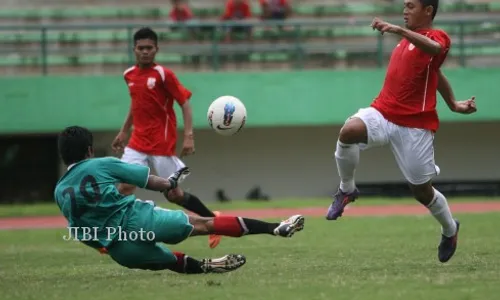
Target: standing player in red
x: 153, y: 89
x: 404, y: 117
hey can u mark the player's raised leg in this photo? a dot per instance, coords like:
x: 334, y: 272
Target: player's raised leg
x: 347, y: 159
x: 238, y: 226
x: 166, y: 165
x: 362, y: 131
x: 175, y: 226
x: 414, y: 152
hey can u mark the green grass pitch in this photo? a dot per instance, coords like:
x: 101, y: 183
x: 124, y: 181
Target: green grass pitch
x: 375, y: 258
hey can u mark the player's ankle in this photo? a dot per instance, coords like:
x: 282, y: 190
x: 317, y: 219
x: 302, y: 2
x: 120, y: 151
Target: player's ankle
x: 449, y: 230
x: 347, y: 186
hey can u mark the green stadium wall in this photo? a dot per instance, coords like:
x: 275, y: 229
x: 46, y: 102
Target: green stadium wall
x: 307, y: 98
x: 294, y: 120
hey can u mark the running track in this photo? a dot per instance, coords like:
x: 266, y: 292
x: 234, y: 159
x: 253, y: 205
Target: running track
x: 353, y: 210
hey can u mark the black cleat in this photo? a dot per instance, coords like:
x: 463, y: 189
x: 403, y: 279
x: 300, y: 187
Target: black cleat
x: 448, y: 245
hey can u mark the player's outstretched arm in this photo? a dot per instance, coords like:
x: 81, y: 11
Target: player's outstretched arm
x: 140, y: 176
x: 164, y: 185
x: 420, y: 41
x: 446, y: 91
x: 188, y: 142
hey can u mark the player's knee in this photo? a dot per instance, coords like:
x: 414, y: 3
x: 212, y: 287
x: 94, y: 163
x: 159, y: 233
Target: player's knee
x: 423, y: 193
x: 353, y: 132
x: 201, y: 226
x: 126, y: 189
x: 176, y: 196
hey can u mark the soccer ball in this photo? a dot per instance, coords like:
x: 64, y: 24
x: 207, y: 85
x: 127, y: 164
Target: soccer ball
x: 227, y: 115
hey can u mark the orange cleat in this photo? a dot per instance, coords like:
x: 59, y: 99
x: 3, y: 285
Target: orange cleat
x: 213, y: 239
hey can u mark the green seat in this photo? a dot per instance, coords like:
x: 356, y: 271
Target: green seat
x: 270, y: 57
x: 477, y: 51
x: 310, y: 10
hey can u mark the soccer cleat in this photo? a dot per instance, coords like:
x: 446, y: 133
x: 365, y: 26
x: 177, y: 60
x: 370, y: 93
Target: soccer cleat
x: 288, y: 227
x: 214, y: 239
x: 336, y: 209
x: 184, y: 172
x: 223, y: 264
x: 177, y: 177
x: 448, y: 245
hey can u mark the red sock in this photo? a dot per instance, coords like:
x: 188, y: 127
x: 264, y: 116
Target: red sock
x: 180, y: 265
x: 228, y: 226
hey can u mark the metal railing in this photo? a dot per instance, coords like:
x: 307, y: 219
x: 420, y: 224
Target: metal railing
x: 296, y: 43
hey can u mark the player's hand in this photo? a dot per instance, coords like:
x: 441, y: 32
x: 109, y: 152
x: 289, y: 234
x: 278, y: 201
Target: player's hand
x: 188, y: 146
x: 466, y: 107
x: 383, y: 26
x: 119, y: 142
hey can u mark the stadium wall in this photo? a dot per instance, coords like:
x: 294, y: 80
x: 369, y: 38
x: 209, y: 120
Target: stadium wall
x: 298, y: 161
x: 307, y: 98
x: 287, y: 147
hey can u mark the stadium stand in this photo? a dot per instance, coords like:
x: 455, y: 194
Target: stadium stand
x: 95, y: 36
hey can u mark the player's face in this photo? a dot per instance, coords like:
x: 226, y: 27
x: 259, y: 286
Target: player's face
x: 145, y: 51
x: 416, y: 15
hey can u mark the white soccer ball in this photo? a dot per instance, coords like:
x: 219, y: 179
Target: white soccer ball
x: 227, y: 115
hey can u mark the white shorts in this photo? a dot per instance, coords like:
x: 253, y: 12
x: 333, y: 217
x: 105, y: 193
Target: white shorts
x: 413, y: 148
x: 163, y: 166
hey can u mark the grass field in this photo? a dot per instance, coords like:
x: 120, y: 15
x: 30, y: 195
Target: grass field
x: 356, y: 258
x: 51, y: 209
x: 375, y: 258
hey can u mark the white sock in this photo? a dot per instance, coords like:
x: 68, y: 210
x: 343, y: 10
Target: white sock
x: 347, y: 158
x: 440, y: 210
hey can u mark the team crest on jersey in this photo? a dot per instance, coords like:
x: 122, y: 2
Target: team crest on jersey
x: 411, y: 47
x: 151, y: 82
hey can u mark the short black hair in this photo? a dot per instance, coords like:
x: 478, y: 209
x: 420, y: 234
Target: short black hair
x: 433, y: 3
x: 145, y: 33
x: 74, y: 143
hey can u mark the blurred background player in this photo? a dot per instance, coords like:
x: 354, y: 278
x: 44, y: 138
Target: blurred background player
x: 404, y: 116
x: 153, y: 89
x: 87, y: 196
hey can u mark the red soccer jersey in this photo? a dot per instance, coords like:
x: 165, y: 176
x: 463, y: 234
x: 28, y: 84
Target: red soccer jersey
x: 408, y: 96
x: 237, y: 10
x: 183, y: 13
x: 153, y: 91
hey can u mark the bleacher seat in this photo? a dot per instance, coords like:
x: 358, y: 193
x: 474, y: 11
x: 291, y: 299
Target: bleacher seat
x: 78, y: 47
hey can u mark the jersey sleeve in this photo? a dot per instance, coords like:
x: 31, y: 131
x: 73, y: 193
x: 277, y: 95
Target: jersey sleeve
x: 127, y: 173
x: 443, y: 39
x: 175, y: 88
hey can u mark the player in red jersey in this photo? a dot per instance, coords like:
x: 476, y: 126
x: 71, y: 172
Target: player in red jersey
x: 153, y: 89
x: 404, y: 117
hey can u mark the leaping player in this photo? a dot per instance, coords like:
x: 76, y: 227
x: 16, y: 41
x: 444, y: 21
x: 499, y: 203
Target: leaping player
x: 153, y: 89
x: 404, y: 117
